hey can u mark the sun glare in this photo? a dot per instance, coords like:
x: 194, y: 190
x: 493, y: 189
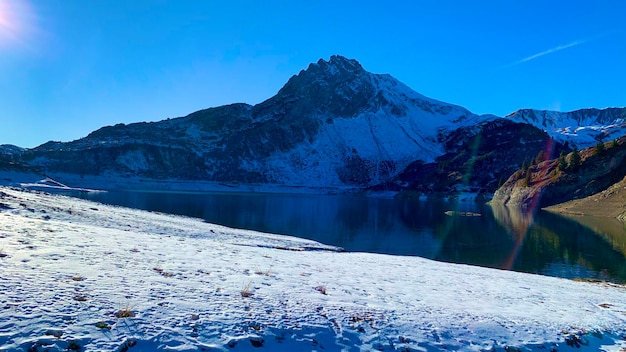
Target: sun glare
x: 14, y: 22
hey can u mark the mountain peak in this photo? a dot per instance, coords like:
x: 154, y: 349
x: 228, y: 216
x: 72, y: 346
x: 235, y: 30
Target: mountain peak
x: 338, y: 64
x: 340, y: 86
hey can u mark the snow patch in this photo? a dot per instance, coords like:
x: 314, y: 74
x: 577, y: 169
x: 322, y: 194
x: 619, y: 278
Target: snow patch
x: 581, y: 128
x: 134, y: 160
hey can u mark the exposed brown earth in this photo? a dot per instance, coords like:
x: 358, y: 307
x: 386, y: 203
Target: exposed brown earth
x: 608, y: 203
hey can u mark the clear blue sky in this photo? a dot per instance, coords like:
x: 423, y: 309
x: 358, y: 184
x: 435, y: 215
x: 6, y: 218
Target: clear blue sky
x: 68, y: 67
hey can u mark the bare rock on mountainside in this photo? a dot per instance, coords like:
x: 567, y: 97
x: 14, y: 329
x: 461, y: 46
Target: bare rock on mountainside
x: 552, y: 182
x: 479, y: 158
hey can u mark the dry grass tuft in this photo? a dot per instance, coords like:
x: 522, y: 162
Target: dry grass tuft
x: 103, y: 325
x: 267, y: 272
x: 246, y: 291
x: 126, y: 312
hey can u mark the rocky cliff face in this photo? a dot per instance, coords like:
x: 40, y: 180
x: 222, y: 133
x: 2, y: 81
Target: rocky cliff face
x: 479, y: 158
x: 547, y: 183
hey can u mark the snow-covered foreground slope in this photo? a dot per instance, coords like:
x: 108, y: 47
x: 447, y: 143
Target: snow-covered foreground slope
x: 68, y: 268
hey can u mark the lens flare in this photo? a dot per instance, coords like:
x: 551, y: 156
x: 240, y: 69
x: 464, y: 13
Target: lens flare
x: 8, y: 25
x: 15, y: 21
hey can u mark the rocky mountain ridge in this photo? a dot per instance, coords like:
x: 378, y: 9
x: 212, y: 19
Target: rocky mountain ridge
x: 333, y: 125
x: 10, y: 150
x: 580, y: 128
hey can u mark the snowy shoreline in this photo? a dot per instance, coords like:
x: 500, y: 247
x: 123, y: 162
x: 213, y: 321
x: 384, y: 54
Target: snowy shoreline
x: 69, y: 267
x: 98, y: 183
x: 121, y: 183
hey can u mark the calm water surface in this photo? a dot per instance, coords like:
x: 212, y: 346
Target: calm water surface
x: 500, y: 238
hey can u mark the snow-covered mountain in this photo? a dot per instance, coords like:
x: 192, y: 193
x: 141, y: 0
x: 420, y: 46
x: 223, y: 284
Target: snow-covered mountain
x: 364, y: 127
x: 581, y: 128
x: 332, y: 125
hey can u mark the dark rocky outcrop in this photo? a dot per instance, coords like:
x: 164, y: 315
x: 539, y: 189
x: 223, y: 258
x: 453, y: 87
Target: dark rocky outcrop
x: 549, y: 184
x: 478, y: 158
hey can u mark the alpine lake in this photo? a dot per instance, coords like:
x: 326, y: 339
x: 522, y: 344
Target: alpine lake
x: 445, y: 230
